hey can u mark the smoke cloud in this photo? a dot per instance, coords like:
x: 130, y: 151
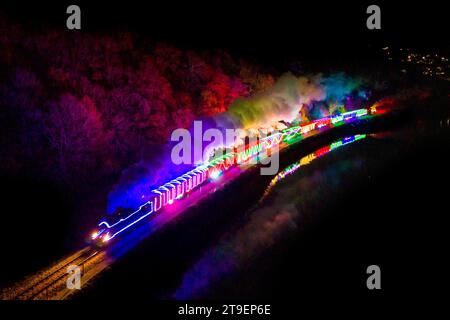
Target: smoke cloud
x: 288, y: 96
x: 292, y: 99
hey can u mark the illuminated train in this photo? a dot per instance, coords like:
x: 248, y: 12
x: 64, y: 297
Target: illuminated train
x: 113, y: 225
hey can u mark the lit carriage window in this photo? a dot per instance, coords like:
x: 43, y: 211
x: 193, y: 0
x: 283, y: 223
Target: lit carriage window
x: 170, y: 191
x: 157, y: 200
x: 174, y: 192
x: 165, y: 191
x: 195, y: 179
x: 164, y: 198
x: 182, y: 186
x: 186, y: 183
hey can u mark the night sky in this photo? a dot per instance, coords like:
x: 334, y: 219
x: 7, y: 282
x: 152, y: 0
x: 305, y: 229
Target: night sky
x: 273, y: 31
x: 323, y: 37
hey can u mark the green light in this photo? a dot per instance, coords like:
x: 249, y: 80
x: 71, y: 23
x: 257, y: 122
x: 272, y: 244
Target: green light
x: 336, y: 144
x: 361, y: 112
x: 337, y: 119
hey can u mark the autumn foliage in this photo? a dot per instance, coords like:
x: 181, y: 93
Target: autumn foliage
x: 78, y: 107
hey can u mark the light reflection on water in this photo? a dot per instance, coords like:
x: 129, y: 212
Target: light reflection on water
x: 267, y: 223
x: 309, y: 158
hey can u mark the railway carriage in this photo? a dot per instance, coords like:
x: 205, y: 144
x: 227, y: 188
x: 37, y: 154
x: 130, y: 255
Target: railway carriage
x: 113, y: 225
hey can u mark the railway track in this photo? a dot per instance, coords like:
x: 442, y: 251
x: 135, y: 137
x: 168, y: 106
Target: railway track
x: 51, y: 283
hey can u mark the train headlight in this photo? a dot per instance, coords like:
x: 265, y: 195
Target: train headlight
x: 107, y: 237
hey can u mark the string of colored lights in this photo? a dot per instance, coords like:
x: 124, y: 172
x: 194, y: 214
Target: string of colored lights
x: 309, y: 158
x: 213, y: 169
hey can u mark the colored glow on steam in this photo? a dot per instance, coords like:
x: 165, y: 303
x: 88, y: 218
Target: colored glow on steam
x: 176, y: 188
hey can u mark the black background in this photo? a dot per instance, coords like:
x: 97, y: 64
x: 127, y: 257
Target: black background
x: 272, y: 32
x: 258, y: 29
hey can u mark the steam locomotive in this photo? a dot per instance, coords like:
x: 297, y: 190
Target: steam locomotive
x: 123, y: 219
